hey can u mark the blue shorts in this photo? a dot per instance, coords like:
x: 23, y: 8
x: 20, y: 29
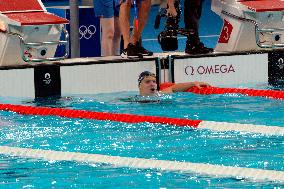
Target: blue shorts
x: 137, y: 1
x: 106, y: 8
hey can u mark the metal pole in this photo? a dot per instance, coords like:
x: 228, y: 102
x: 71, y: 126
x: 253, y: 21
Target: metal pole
x: 74, y: 28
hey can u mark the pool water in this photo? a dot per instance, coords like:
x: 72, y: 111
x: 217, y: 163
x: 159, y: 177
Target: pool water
x: 143, y: 140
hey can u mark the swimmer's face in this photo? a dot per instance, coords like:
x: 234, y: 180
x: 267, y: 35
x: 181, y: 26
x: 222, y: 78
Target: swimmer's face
x: 148, y: 86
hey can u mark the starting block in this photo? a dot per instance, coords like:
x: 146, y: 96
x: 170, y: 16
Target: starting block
x: 250, y: 25
x: 28, y: 33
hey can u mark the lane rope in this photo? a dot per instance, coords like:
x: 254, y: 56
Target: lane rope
x: 217, y: 90
x: 141, y: 163
x: 130, y: 118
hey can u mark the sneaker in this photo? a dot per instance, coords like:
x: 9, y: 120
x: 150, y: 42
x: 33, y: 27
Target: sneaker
x: 142, y: 50
x: 131, y: 52
x: 197, y: 49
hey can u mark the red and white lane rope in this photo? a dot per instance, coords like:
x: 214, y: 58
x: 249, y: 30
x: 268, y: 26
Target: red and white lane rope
x: 141, y: 163
x: 217, y: 90
x: 129, y: 118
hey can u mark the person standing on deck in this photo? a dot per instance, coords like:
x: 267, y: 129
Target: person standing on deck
x: 108, y: 11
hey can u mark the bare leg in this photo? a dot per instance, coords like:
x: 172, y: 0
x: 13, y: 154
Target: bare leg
x: 117, y: 37
x: 107, y: 26
x: 124, y: 19
x: 143, y: 13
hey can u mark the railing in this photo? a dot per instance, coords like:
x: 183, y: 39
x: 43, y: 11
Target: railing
x: 258, y: 31
x: 23, y: 44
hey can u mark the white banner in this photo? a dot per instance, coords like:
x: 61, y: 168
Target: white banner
x: 223, y: 70
x: 104, y: 77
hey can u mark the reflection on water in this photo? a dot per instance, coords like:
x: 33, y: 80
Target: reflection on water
x: 144, y: 140
x: 54, y: 101
x: 159, y: 98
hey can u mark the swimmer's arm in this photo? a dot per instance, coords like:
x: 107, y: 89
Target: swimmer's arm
x: 182, y: 87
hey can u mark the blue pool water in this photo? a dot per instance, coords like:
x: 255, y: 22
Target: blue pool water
x: 143, y: 140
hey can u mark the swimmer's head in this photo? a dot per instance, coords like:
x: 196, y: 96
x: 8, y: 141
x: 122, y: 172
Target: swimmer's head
x: 147, y: 83
x: 144, y: 74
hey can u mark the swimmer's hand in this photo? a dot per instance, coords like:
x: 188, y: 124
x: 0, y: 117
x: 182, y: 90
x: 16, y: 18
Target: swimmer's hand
x: 200, y: 85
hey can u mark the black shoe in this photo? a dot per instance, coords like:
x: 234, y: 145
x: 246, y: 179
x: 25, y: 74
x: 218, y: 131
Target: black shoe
x: 197, y: 49
x: 142, y: 50
x: 131, y: 52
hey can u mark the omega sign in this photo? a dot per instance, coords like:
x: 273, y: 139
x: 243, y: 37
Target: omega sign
x: 209, y: 69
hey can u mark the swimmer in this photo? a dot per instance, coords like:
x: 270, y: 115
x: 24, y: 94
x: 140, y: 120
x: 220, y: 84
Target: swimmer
x: 148, y: 92
x: 148, y: 86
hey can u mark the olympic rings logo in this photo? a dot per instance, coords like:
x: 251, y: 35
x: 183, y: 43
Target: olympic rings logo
x: 87, y: 32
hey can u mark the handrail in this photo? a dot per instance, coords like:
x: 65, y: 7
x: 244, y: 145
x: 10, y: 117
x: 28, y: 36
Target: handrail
x: 258, y: 30
x: 24, y: 44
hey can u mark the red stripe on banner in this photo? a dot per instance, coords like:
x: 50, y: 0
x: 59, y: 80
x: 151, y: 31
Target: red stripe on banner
x: 216, y: 90
x: 36, y: 18
x: 127, y: 118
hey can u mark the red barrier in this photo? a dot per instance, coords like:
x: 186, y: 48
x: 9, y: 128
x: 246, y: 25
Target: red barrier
x: 127, y: 118
x: 216, y: 90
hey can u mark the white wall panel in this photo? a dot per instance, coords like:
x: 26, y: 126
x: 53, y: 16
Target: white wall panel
x: 223, y: 70
x: 17, y: 83
x: 99, y: 78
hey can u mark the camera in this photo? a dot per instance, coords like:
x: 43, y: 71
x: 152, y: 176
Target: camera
x: 168, y: 38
